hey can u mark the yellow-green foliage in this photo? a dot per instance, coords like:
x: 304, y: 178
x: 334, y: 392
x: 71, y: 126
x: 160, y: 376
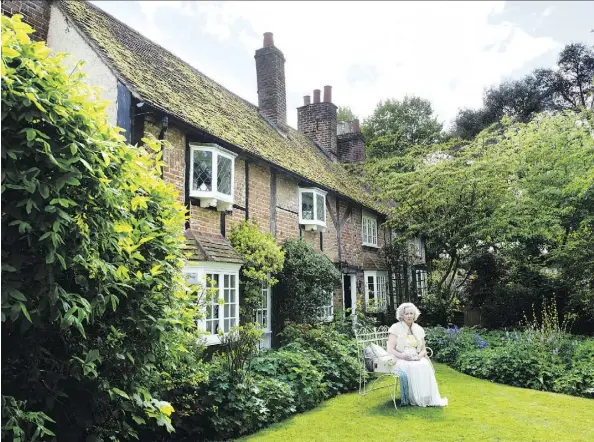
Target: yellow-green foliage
x: 263, y: 259
x: 91, y: 255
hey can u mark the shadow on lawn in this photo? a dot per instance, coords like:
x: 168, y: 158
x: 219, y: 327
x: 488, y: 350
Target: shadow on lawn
x: 387, y: 409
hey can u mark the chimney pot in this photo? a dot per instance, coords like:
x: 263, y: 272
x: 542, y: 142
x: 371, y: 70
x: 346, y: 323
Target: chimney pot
x: 268, y: 39
x: 306, y: 100
x: 327, y: 94
x: 356, y: 127
x: 316, y: 96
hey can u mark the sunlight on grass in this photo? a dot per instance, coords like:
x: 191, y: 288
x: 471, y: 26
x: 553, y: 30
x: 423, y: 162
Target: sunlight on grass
x: 478, y: 411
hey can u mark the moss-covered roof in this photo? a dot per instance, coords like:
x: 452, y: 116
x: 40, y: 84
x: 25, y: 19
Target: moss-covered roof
x: 166, y: 82
x: 209, y: 247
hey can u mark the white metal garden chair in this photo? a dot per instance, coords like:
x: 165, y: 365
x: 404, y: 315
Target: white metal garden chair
x: 382, y: 366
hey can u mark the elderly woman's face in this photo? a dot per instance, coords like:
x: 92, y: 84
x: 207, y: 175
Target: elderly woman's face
x: 409, y: 315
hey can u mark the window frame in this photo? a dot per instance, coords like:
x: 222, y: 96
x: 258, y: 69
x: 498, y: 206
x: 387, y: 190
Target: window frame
x: 201, y: 269
x: 381, y: 295
x: 327, y: 310
x: 313, y: 224
x: 212, y: 198
x: 268, y: 307
x: 366, y: 218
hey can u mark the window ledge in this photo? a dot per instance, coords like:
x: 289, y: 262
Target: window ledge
x: 373, y: 246
x: 314, y: 226
x: 223, y: 204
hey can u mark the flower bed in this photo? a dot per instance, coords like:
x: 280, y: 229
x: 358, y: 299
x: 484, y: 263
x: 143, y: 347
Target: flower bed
x: 558, y: 362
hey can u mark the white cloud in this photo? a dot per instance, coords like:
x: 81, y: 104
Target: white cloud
x: 447, y: 52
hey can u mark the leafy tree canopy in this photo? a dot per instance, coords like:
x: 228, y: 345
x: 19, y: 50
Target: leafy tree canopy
x: 345, y: 113
x: 568, y: 86
x: 395, y: 126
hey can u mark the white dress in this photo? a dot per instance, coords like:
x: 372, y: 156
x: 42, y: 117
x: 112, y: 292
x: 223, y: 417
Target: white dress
x: 422, y: 385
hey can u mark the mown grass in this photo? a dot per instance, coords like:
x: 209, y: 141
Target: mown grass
x: 478, y: 411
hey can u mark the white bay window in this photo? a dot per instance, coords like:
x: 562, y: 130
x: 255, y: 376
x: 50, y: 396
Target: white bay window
x: 212, y: 179
x: 220, y: 312
x: 312, y: 209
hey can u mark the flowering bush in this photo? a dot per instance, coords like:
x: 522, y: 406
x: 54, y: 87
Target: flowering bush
x: 552, y: 362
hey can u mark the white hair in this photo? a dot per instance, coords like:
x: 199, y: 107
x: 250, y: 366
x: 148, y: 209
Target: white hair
x: 404, y: 306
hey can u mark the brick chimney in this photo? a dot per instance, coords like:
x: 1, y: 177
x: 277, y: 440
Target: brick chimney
x: 350, y: 142
x: 317, y: 120
x: 270, y: 72
x: 36, y: 13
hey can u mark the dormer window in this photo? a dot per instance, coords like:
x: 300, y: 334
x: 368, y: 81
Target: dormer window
x: 212, y: 171
x: 312, y: 209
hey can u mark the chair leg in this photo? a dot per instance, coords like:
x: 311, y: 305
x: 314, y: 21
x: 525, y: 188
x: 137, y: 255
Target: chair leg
x: 396, y: 380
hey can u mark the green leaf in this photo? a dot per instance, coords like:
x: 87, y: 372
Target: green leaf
x: 120, y: 393
x: 15, y: 294
x: 138, y: 419
x: 30, y: 134
x: 25, y: 312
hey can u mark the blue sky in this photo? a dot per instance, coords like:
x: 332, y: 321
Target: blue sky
x: 447, y: 52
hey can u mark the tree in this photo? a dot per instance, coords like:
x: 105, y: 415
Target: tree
x: 569, y: 86
x: 91, y: 258
x: 572, y: 81
x: 396, y: 126
x: 345, y: 114
x: 525, y: 189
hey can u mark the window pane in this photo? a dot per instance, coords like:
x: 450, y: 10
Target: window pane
x: 320, y: 208
x: 224, y: 165
x: 307, y: 205
x: 202, y: 179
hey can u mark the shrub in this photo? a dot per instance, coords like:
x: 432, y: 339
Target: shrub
x: 305, y: 283
x: 329, y: 351
x: 292, y: 365
x: 263, y: 259
x: 578, y: 381
x: 518, y: 364
x: 91, y: 254
x: 448, y: 343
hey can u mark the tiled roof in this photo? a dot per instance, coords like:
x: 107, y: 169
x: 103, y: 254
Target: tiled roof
x: 168, y: 83
x: 208, y: 247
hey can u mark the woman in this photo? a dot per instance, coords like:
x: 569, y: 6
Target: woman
x: 407, y: 344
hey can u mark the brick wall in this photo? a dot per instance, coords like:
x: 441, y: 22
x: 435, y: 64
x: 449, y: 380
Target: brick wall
x: 287, y: 208
x: 351, y: 147
x: 35, y: 13
x: 285, y: 212
x: 259, y: 195
x: 318, y: 122
x: 270, y: 73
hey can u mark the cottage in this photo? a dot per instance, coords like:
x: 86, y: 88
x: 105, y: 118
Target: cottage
x: 231, y: 160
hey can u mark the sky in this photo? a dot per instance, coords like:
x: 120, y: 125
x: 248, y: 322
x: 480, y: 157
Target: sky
x: 446, y: 52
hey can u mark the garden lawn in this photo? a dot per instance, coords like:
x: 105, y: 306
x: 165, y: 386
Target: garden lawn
x: 478, y: 411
